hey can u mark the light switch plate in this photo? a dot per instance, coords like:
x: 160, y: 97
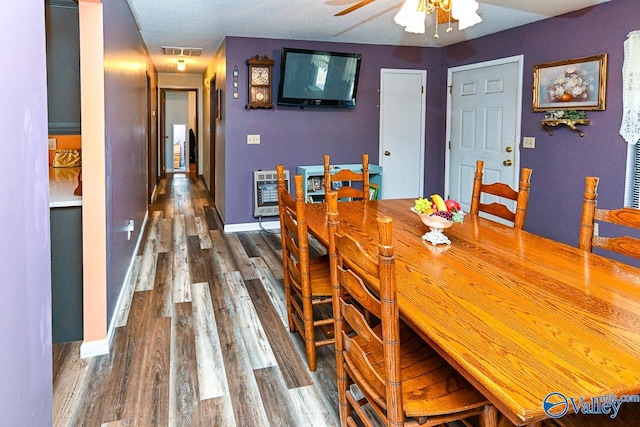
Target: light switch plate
x: 52, y: 143
x: 528, y: 142
x: 253, y: 139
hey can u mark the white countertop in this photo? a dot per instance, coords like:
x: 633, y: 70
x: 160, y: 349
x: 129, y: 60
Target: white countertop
x: 62, y: 184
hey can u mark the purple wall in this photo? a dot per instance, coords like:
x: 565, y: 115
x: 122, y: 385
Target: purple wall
x: 25, y: 291
x: 561, y: 162
x: 295, y: 137
x: 126, y: 146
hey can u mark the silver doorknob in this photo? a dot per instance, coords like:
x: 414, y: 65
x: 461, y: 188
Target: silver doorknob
x: 507, y: 162
x: 387, y: 153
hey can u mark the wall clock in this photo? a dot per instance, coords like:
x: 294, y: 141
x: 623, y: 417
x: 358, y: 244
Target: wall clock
x: 260, y: 82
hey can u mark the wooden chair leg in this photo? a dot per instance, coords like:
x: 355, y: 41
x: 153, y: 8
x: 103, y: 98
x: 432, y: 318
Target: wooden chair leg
x: 287, y: 298
x: 309, y: 333
x: 343, y: 386
x: 311, y: 353
x: 489, y: 417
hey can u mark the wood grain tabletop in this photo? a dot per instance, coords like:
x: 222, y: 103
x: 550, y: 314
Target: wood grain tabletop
x: 519, y: 315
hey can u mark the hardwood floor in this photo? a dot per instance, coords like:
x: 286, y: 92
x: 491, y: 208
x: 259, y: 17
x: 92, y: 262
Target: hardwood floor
x: 204, y: 338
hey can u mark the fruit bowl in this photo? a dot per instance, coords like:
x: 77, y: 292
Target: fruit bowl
x: 433, y: 221
x: 438, y: 215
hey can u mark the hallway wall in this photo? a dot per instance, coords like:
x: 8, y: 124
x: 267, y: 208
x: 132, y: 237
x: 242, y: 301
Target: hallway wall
x: 126, y: 64
x: 25, y: 294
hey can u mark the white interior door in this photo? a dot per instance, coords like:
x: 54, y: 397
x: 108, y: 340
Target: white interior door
x: 402, y: 124
x: 484, y: 106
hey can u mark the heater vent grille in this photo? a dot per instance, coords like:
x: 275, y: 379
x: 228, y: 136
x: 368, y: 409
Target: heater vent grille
x: 265, y: 186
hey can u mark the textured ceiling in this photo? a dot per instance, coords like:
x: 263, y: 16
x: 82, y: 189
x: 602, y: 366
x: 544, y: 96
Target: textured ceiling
x: 205, y: 23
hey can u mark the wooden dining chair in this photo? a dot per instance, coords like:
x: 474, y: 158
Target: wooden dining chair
x: 626, y: 217
x: 403, y: 380
x: 499, y: 189
x: 348, y: 191
x: 307, y: 283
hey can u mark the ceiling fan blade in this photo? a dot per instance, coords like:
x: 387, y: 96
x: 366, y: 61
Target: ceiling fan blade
x: 354, y: 7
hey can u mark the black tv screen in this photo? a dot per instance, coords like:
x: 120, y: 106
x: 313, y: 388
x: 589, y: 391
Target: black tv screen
x: 313, y: 78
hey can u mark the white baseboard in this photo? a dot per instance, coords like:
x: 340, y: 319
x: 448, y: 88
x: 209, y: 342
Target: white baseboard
x: 94, y: 348
x: 103, y: 346
x: 251, y: 226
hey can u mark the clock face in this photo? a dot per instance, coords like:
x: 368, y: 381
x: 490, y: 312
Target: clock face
x: 260, y: 76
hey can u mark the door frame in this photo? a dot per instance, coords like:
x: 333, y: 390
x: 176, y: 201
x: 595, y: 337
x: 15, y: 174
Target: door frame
x: 152, y: 173
x: 519, y: 60
x: 161, y: 135
x: 213, y: 128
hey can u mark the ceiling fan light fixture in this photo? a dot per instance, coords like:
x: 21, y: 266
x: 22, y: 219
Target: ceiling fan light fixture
x: 411, y: 17
x: 413, y: 13
x: 465, y: 12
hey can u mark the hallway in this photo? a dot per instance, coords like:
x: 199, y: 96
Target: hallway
x: 204, y: 340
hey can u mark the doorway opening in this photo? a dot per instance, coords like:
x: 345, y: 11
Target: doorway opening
x: 180, y: 127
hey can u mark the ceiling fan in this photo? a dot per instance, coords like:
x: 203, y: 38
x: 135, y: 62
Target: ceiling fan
x: 443, y: 17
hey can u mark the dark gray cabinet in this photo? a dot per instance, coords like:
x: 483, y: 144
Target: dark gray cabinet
x: 66, y: 273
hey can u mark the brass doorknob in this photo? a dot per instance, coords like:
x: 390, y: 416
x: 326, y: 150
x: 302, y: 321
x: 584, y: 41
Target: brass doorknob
x: 507, y: 162
x: 387, y: 153
x: 508, y: 149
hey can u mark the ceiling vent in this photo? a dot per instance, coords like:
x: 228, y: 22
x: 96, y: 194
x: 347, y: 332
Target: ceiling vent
x: 181, y: 51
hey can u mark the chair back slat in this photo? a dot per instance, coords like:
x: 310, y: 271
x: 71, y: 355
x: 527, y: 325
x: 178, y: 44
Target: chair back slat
x: 499, y: 189
x: 346, y: 175
x: 357, y: 259
x: 626, y: 217
x: 626, y: 245
x: 355, y: 318
x: 348, y: 191
x: 499, y: 210
x: 354, y: 286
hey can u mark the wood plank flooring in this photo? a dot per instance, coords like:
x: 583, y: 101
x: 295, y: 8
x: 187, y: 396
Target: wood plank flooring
x: 203, y: 337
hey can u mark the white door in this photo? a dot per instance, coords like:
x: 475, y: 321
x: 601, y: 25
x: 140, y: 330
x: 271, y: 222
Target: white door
x: 484, y: 106
x: 402, y: 124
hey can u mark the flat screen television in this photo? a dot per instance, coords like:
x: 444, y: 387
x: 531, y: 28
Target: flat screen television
x: 313, y: 78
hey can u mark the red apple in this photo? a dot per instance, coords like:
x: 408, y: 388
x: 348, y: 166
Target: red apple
x: 451, y: 205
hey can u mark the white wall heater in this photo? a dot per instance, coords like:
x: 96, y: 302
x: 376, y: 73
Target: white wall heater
x: 265, y: 195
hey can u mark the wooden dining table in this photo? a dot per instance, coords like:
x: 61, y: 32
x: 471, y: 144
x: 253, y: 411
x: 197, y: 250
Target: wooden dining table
x: 520, y: 316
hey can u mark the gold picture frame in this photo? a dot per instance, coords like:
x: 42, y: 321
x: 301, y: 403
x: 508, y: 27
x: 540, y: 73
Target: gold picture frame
x: 574, y: 84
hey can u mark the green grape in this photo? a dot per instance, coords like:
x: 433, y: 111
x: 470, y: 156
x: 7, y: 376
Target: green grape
x: 422, y: 205
x: 458, y: 216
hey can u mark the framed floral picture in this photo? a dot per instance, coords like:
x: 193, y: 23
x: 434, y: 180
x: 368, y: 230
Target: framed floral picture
x: 574, y: 84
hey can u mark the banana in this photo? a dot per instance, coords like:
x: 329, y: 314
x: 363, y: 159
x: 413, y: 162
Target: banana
x: 439, y: 202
